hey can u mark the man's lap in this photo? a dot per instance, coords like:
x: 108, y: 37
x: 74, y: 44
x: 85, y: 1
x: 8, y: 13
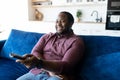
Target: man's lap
x: 41, y: 76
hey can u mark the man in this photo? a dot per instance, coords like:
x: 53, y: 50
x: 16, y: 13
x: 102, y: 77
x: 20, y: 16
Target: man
x: 55, y: 55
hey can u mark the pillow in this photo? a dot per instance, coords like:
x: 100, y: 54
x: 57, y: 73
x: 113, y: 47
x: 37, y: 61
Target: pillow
x: 19, y: 42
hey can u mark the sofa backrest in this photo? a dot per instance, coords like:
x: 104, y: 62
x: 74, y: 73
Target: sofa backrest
x: 2, y: 42
x: 101, y: 45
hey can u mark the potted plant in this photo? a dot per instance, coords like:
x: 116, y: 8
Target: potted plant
x: 78, y: 15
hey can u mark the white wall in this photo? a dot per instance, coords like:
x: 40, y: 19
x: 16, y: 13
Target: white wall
x: 13, y: 11
x: 14, y: 14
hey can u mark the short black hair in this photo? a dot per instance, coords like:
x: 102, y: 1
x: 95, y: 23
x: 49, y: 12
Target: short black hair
x: 69, y: 16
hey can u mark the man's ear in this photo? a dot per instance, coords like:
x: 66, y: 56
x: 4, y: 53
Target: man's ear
x: 71, y: 23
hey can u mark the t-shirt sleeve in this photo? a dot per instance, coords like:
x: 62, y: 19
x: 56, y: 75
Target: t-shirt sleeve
x: 38, y: 48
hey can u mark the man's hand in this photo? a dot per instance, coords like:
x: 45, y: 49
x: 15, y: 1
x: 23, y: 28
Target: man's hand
x: 29, y: 61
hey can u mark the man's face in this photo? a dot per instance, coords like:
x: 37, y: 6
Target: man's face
x: 62, y: 24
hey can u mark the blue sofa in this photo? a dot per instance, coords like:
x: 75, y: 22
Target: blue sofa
x: 101, y: 59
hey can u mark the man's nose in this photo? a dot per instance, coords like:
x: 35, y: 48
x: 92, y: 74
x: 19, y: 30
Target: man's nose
x: 59, y: 23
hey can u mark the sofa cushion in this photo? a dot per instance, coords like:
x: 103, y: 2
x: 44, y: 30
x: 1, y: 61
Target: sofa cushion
x: 105, y: 67
x: 19, y: 42
x: 10, y: 70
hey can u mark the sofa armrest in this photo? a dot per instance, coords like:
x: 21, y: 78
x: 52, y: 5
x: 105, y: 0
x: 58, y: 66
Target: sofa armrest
x: 2, y: 43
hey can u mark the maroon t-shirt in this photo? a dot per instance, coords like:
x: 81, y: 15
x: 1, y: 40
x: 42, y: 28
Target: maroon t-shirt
x: 66, y: 50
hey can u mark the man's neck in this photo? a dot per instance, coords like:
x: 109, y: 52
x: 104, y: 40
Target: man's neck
x: 69, y: 32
